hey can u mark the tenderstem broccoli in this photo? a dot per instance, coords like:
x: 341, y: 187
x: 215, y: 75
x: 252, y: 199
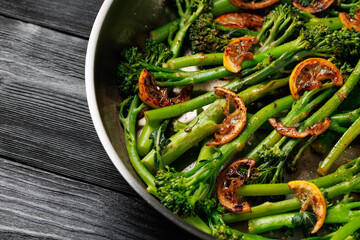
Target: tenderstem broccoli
x: 347, y: 230
x: 182, y: 192
x: 248, y: 96
x: 325, y: 111
x: 206, y: 124
x: 189, y: 11
x: 270, y: 157
x: 344, y: 141
x: 343, y: 173
x: 220, y: 230
x: 340, y: 213
x: 330, y: 106
x: 128, y: 121
x: 288, y: 205
x: 315, y: 41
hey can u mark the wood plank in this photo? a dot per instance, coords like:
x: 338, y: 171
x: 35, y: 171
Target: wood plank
x: 38, y: 205
x: 74, y: 17
x: 44, y: 118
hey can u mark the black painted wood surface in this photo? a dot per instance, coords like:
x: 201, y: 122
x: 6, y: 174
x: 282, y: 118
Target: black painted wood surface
x: 56, y: 181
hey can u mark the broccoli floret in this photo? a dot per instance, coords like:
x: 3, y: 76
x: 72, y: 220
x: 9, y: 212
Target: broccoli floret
x: 208, y: 36
x: 346, y: 45
x: 184, y: 192
x: 270, y: 170
x: 280, y: 25
x: 205, y: 37
x: 134, y: 60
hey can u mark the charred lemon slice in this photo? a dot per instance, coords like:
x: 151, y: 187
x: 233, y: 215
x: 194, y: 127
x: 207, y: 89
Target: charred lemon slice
x: 241, y: 20
x: 234, y: 122
x: 309, y: 193
x: 350, y: 22
x: 237, y: 51
x: 309, y: 74
x: 253, y: 4
x: 230, y: 179
x: 155, y: 96
x: 314, y: 130
x: 314, y: 7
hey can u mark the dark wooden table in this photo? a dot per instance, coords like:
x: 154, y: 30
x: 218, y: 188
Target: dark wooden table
x: 56, y: 181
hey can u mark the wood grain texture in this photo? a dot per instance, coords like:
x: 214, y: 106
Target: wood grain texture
x: 44, y: 118
x: 74, y: 17
x: 40, y: 205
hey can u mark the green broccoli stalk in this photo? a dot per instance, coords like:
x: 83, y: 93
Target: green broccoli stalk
x: 344, y: 141
x: 189, y: 11
x: 291, y: 166
x: 220, y: 230
x: 269, y: 156
x: 182, y: 192
x: 346, y: 118
x: 343, y: 173
x: 288, y: 205
x: 206, y: 122
x: 351, y: 5
x: 329, y: 107
x: 340, y: 213
x: 347, y: 230
x: 129, y: 124
x: 326, y: 237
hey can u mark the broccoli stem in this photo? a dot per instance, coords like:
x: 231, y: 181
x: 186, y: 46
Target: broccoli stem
x: 330, y: 106
x: 326, y: 237
x: 198, y: 102
x: 187, y: 17
x: 198, y: 223
x: 144, y: 142
x: 221, y: 230
x: 199, y: 59
x: 129, y: 125
x: 343, y: 173
x: 337, y: 128
x: 223, y: 6
x: 299, y: 111
x: 204, y: 125
x: 271, y: 208
x: 344, y: 141
x: 347, y: 229
x: 299, y: 154
x: 249, y: 95
x: 217, y: 58
x: 347, y: 118
x: 341, y: 213
x: 205, y: 152
x: 160, y: 34
x: 198, y: 77
x: 219, y: 7
x: 333, y: 23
